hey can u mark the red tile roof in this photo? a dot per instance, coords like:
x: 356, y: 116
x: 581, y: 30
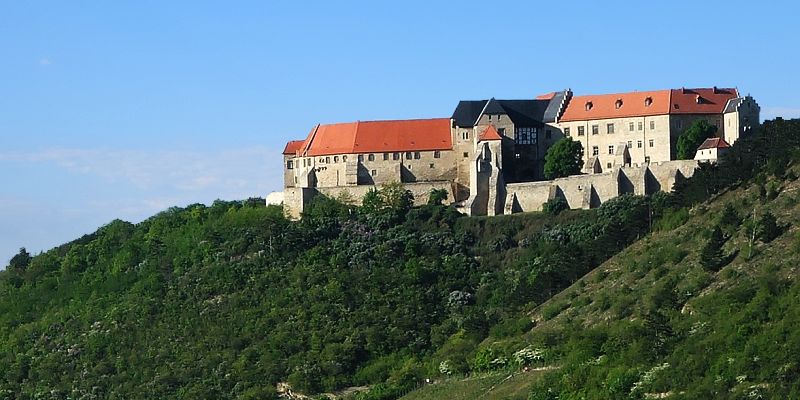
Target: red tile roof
x: 378, y: 137
x: 633, y: 104
x: 701, y: 100
x: 490, y: 133
x: 618, y: 105
x: 292, y: 147
x: 714, y: 143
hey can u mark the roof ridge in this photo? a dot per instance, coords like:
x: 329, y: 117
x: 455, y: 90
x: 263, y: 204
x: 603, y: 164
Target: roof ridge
x: 310, y: 139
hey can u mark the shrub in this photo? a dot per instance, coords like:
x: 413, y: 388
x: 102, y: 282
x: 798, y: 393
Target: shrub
x: 768, y: 228
x: 555, y: 206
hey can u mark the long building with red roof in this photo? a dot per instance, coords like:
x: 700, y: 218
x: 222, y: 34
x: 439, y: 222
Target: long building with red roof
x: 498, y: 142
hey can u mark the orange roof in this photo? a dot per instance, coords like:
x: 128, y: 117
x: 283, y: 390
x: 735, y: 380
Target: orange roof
x: 714, y: 143
x: 293, y: 146
x: 619, y: 105
x: 701, y: 101
x: 378, y: 137
x: 490, y: 133
x: 546, y: 96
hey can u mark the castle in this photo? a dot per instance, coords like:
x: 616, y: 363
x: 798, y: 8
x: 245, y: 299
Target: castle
x: 489, y: 155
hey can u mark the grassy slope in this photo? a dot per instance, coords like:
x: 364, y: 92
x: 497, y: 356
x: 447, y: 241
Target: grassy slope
x: 725, y: 315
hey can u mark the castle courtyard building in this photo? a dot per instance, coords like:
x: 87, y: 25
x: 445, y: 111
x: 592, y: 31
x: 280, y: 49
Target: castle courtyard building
x: 489, y: 155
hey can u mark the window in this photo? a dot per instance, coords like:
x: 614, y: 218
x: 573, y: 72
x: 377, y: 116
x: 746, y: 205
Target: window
x: 647, y: 159
x: 466, y: 154
x: 630, y: 144
x: 490, y: 117
x: 430, y: 165
x: 608, y: 165
x: 360, y: 158
x: 588, y: 105
x: 526, y: 135
x: 371, y: 157
x: 611, y: 149
x: 638, y: 144
x: 679, y: 123
x: 581, y: 131
x: 395, y: 156
x: 650, y: 143
x: 595, y: 129
x: 408, y: 155
x: 618, y: 104
x: 566, y: 131
x: 374, y: 172
x: 501, y: 131
x: 652, y: 125
x: 289, y: 164
x: 344, y: 158
x: 385, y: 156
x: 335, y: 159
x: 548, y: 134
x: 416, y: 155
x: 499, y: 116
x: 610, y: 128
x: 648, y: 101
x: 409, y: 166
x: 595, y: 150
x: 641, y: 125
x: 327, y: 160
x: 465, y: 135
x: 630, y: 126
x: 437, y: 154
x: 516, y: 155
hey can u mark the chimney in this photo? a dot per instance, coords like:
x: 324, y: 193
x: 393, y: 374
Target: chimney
x: 715, y: 90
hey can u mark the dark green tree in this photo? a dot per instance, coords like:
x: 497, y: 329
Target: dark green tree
x: 768, y: 228
x: 693, y: 137
x: 711, y: 256
x: 437, y: 197
x: 564, y: 158
x: 20, y: 261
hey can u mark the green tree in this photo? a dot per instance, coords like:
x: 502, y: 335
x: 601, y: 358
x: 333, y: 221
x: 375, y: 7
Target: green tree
x: 437, y: 197
x: 693, y: 137
x: 711, y: 256
x: 564, y: 158
x: 768, y: 228
x: 20, y: 261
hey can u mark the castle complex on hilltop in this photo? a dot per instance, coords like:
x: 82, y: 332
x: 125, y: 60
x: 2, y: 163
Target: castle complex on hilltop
x: 489, y: 155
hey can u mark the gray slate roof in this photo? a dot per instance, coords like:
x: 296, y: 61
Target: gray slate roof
x: 732, y: 104
x: 528, y: 113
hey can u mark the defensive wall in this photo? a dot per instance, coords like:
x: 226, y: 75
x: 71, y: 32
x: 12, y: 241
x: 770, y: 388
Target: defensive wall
x: 297, y: 199
x: 591, y: 190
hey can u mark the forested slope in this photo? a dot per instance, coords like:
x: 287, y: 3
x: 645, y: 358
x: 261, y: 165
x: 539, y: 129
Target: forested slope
x: 226, y: 301
x: 706, y: 306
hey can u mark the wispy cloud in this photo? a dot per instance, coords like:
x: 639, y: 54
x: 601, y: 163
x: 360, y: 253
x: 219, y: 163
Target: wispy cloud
x: 784, y: 112
x: 45, y: 61
x: 245, y: 169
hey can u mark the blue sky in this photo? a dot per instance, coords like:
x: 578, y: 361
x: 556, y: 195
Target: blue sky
x: 122, y: 109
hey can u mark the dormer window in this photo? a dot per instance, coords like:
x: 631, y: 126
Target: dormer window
x: 588, y: 105
x: 648, y: 101
x: 698, y: 99
x: 618, y: 104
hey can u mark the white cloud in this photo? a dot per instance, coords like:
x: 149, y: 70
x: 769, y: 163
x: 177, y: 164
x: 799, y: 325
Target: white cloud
x: 254, y: 169
x: 784, y: 112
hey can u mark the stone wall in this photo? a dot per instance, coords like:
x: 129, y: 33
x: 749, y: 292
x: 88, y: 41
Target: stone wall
x: 589, y: 191
x: 297, y: 199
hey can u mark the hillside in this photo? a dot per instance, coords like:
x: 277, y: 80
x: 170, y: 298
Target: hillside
x: 228, y: 300
x: 670, y: 317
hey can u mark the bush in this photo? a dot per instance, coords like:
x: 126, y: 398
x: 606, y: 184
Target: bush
x: 555, y: 206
